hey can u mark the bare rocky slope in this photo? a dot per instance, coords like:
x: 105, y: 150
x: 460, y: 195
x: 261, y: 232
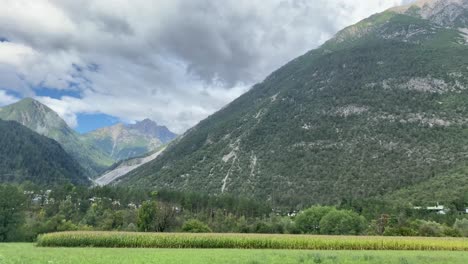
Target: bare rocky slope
x: 113, y: 174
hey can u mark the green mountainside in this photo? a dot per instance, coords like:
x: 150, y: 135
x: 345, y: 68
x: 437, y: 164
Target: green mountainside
x: 379, y: 108
x: 28, y: 156
x: 44, y: 121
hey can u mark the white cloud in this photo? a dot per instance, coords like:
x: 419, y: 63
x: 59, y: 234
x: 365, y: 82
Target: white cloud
x: 6, y: 99
x: 173, y: 61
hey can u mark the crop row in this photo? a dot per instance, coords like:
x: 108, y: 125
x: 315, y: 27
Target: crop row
x: 246, y: 241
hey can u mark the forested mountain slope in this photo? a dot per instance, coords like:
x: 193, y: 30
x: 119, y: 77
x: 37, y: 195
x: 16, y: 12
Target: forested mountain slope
x: 45, y: 121
x: 380, y: 107
x: 28, y: 156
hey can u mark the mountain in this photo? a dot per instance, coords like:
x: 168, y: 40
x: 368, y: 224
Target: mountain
x: 127, y: 141
x: 152, y: 129
x: 381, y: 107
x: 45, y: 121
x: 119, y: 169
x: 28, y: 156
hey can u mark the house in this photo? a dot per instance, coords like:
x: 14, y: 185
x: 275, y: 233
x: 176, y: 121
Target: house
x: 439, y: 209
x: 292, y: 214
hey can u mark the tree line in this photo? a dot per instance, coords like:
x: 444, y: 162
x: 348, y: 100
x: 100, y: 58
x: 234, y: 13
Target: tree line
x: 28, y: 210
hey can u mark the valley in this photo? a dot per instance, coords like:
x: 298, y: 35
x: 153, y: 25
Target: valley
x: 234, y: 132
x: 95, y: 151
x: 378, y: 108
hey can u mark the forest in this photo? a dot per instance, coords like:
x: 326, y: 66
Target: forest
x: 28, y: 210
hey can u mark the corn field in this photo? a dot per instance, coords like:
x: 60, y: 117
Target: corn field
x: 246, y: 241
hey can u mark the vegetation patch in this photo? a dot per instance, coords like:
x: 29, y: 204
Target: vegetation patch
x: 247, y: 241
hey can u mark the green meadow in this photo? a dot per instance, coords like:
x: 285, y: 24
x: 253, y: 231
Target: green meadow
x: 28, y: 253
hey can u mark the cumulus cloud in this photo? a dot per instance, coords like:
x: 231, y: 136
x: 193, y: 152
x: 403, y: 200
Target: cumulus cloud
x: 6, y: 99
x: 175, y: 61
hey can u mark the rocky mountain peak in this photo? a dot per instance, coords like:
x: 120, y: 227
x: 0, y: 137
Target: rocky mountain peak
x: 33, y: 114
x: 442, y: 12
x: 146, y: 124
x: 30, y: 103
x: 150, y: 128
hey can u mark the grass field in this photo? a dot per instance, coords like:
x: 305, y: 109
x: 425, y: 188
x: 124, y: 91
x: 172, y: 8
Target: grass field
x: 248, y: 241
x: 23, y: 253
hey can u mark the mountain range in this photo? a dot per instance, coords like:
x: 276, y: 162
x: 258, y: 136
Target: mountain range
x: 95, y: 151
x: 45, y: 121
x: 122, y: 141
x: 378, y: 110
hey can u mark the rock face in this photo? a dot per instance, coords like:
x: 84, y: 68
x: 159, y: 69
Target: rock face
x: 152, y: 129
x: 45, y: 121
x: 379, y: 108
x: 28, y: 156
x: 127, y: 141
x: 452, y: 13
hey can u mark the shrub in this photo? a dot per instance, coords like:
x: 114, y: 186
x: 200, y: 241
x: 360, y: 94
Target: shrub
x: 67, y: 226
x: 429, y: 228
x: 461, y: 225
x: 308, y: 221
x: 450, y: 232
x: 195, y: 226
x: 342, y: 222
x: 131, y: 227
x: 400, y: 231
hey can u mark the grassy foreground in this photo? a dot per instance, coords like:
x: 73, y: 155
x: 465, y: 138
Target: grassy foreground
x: 247, y: 241
x: 30, y: 254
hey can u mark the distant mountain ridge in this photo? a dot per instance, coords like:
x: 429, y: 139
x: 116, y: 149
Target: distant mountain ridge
x: 97, y: 150
x: 45, y: 121
x: 122, y: 141
x: 27, y: 156
x: 451, y: 13
x: 378, y: 109
x: 150, y: 128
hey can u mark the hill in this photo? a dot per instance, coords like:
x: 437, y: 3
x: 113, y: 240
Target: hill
x: 28, y: 156
x: 378, y: 108
x: 45, y: 121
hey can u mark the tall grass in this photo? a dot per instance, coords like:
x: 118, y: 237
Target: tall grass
x: 246, y: 241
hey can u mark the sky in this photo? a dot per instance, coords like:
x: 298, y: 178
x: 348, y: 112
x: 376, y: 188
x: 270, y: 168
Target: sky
x: 98, y: 62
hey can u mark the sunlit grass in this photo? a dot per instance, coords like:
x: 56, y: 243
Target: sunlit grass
x: 29, y: 254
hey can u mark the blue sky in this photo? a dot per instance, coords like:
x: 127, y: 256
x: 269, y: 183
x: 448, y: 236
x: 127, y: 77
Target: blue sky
x: 90, y: 122
x: 86, y: 122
